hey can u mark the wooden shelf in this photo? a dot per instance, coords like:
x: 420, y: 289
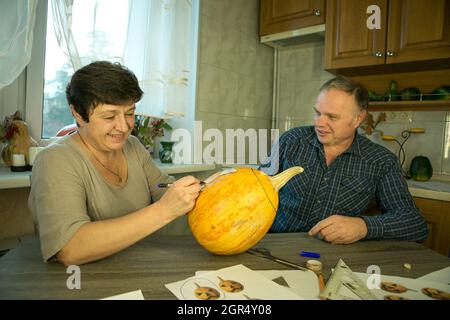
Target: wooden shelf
x: 435, y: 105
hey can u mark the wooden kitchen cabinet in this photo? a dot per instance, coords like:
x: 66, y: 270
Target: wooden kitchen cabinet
x: 437, y: 215
x: 411, y: 31
x: 284, y: 15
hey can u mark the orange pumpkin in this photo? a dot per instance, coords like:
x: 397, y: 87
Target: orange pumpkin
x: 236, y: 210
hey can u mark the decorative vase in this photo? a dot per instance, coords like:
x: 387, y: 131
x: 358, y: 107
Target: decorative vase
x: 165, y: 153
x: 150, y: 150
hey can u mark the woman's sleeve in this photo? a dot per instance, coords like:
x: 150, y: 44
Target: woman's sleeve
x: 57, y: 200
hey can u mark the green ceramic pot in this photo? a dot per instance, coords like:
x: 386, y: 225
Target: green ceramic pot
x: 165, y: 153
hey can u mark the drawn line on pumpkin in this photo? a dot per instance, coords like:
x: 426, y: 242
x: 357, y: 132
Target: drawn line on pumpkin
x: 267, y: 196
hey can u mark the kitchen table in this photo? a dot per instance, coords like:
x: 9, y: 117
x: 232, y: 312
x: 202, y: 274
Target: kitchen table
x: 160, y: 259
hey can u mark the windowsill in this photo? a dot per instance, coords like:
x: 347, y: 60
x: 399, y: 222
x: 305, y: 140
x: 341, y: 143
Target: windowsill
x: 10, y: 180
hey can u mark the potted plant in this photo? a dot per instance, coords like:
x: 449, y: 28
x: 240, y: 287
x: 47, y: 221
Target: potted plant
x: 146, y: 129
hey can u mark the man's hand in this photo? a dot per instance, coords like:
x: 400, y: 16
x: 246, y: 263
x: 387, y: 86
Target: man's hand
x: 340, y: 229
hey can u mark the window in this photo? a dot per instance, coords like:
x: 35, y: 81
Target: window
x: 97, y: 37
x: 101, y: 31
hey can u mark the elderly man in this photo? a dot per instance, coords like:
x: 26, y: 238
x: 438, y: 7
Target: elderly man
x: 344, y: 172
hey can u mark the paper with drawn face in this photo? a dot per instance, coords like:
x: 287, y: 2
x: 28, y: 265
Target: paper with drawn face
x: 232, y: 283
x: 303, y: 283
x: 400, y: 288
x: 133, y: 295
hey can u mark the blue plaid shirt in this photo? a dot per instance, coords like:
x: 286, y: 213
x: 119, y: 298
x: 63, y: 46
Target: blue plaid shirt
x: 364, y: 172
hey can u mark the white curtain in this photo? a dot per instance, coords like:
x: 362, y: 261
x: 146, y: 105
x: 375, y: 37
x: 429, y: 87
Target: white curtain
x: 159, y: 51
x: 90, y: 30
x: 16, y: 37
x: 151, y: 37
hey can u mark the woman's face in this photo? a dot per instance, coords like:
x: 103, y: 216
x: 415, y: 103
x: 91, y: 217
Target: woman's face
x: 109, y: 126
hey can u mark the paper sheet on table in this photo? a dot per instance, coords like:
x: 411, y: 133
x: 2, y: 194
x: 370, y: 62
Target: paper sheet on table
x: 303, y: 283
x: 413, y: 289
x: 441, y: 276
x: 211, y: 285
x: 133, y: 295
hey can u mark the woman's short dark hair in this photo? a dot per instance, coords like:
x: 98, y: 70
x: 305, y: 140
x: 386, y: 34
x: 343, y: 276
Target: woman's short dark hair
x: 102, y: 82
x: 351, y: 87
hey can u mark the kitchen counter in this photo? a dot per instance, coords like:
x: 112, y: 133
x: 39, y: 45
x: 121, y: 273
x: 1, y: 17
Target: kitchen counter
x: 437, y: 188
x: 154, y: 261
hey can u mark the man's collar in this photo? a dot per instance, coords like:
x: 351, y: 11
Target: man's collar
x: 353, y: 149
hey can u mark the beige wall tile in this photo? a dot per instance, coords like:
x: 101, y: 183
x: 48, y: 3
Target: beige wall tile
x: 305, y: 97
x: 246, y: 97
x: 230, y: 48
x: 264, y: 62
x: 228, y: 92
x: 310, y: 62
x: 234, y: 52
x: 286, y: 95
x: 235, y: 84
x: 247, y: 55
x: 208, y: 7
x: 249, y: 18
x: 210, y: 41
x: 231, y: 13
x: 208, y: 90
x: 263, y: 99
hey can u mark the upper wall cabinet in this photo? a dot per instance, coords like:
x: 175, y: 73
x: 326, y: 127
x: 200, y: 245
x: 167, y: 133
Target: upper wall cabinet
x: 284, y: 15
x: 411, y: 31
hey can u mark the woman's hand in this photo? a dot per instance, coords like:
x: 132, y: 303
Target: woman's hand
x: 180, y: 197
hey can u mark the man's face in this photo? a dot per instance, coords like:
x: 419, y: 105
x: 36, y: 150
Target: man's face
x: 337, y: 116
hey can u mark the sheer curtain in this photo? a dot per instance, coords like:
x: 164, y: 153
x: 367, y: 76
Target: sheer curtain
x: 151, y: 37
x: 90, y: 30
x: 16, y: 40
x: 158, y: 50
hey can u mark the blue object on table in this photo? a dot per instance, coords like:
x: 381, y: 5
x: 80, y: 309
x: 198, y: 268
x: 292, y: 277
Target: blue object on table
x: 309, y: 254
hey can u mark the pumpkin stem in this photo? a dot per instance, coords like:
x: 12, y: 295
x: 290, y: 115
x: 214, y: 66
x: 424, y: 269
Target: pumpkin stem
x: 282, y: 178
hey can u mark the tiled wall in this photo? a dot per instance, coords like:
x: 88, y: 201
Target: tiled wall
x: 235, y: 71
x: 301, y: 74
x: 434, y: 143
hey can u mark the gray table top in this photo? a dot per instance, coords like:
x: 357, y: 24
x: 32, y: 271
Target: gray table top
x: 158, y: 260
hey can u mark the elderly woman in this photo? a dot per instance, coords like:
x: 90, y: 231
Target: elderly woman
x: 94, y: 192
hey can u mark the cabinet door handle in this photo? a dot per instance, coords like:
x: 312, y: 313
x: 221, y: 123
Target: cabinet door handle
x: 390, y: 53
x: 317, y: 12
x: 378, y: 54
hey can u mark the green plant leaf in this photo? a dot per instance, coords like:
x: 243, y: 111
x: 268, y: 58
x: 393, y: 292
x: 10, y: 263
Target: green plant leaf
x: 146, y: 122
x: 167, y: 126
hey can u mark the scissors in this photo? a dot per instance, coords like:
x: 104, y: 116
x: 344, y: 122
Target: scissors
x: 264, y: 253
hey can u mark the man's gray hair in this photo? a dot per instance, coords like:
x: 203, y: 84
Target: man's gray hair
x: 351, y: 87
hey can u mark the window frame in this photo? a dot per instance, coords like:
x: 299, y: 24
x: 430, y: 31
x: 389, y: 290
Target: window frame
x: 35, y: 76
x: 35, y: 73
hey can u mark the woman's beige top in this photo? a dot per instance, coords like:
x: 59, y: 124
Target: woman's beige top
x: 68, y: 191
